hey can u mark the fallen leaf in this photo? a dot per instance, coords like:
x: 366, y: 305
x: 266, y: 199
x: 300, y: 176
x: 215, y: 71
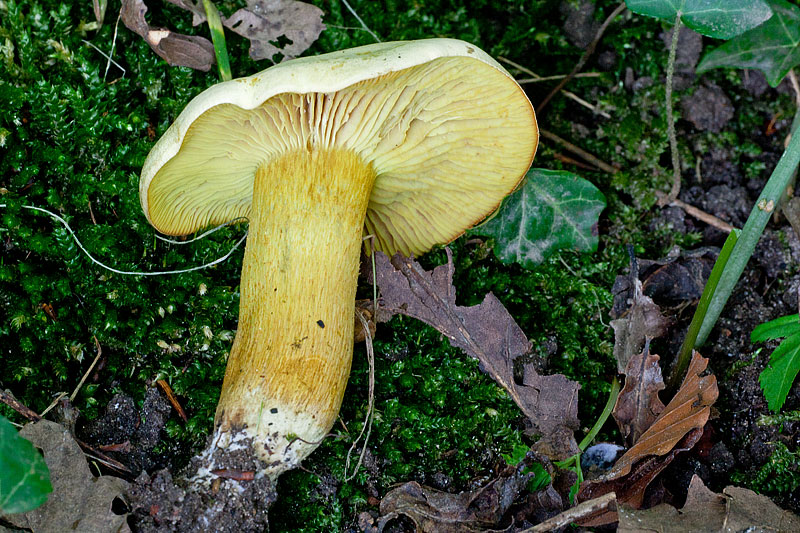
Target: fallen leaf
x: 642, y: 320
x: 677, y: 428
x: 195, y: 7
x: 736, y: 509
x: 79, y: 499
x: 434, y: 511
x: 638, y: 404
x: 486, y: 332
x: 748, y: 511
x: 703, y: 511
x: 264, y: 22
x: 176, y: 49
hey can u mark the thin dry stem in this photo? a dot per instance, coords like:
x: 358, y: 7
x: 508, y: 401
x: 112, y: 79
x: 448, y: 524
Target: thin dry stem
x: 584, y: 58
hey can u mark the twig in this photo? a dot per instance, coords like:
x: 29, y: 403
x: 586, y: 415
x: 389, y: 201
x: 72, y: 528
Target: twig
x: 582, y: 510
x: 560, y: 77
x: 86, y: 374
x: 8, y: 399
x: 584, y: 58
x: 568, y: 94
x: 579, y: 151
x: 673, y: 139
x: 568, y: 160
x: 795, y: 86
x: 363, y: 25
x: 53, y: 403
x: 370, y: 405
x: 701, y: 215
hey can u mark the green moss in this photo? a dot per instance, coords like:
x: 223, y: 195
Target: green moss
x: 779, y: 475
x: 73, y: 138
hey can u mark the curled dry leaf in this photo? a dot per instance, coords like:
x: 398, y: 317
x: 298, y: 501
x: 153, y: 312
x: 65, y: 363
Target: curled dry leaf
x: 677, y: 428
x: 488, y: 333
x: 638, y: 404
x: 736, y: 509
x: 79, y: 500
x: 176, y: 49
x: 264, y: 22
x: 434, y: 511
x: 643, y: 320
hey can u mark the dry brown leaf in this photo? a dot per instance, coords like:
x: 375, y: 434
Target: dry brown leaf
x: 638, y: 404
x: 704, y: 511
x: 434, y: 511
x: 264, y: 22
x: 176, y: 49
x: 643, y: 320
x: 195, y: 7
x: 677, y: 429
x: 79, y: 500
x: 737, y: 509
x: 486, y: 332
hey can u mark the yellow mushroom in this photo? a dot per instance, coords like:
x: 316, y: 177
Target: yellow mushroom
x: 412, y: 142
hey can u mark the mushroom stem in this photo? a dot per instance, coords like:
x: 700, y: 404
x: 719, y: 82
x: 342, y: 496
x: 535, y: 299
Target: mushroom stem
x: 289, y: 364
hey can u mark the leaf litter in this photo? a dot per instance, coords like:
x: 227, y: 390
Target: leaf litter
x: 78, y: 498
x: 736, y: 509
x: 678, y: 427
x: 273, y: 27
x: 486, y: 332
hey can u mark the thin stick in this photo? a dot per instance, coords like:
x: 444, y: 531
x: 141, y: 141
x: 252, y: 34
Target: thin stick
x: 370, y: 406
x: 560, y: 77
x: 363, y: 25
x: 795, y: 86
x: 89, y: 371
x: 673, y: 139
x: 568, y: 94
x: 579, y: 151
x: 701, y: 215
x: 53, y: 403
x: 582, y: 510
x: 584, y: 58
x: 8, y: 399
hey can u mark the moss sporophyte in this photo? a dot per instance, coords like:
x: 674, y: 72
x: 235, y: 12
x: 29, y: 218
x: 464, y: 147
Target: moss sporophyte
x: 410, y: 142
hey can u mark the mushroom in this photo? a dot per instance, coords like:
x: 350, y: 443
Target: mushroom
x: 410, y: 142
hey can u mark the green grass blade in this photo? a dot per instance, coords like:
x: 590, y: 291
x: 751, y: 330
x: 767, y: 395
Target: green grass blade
x: 753, y: 228
x: 218, y: 38
x: 690, y: 342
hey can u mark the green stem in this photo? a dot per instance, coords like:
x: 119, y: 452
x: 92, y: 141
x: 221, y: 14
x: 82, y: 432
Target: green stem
x: 753, y: 228
x: 709, y: 292
x: 673, y: 140
x: 598, y: 425
x: 218, y: 38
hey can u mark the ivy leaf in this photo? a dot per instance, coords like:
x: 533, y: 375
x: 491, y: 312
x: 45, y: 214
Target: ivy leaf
x: 551, y: 210
x: 721, y: 19
x: 25, y: 480
x: 773, y: 48
x: 784, y: 363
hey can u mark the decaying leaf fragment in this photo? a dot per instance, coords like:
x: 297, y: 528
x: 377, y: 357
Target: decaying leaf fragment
x: 176, y: 49
x: 736, y: 509
x: 643, y: 320
x: 434, y: 511
x: 638, y: 404
x: 79, y: 501
x: 264, y: 22
x: 486, y: 332
x: 677, y: 428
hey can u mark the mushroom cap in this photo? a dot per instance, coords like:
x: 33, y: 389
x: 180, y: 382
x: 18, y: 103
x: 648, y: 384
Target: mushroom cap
x: 446, y: 129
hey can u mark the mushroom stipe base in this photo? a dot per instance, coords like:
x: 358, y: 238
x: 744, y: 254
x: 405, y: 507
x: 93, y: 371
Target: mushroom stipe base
x: 288, y: 367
